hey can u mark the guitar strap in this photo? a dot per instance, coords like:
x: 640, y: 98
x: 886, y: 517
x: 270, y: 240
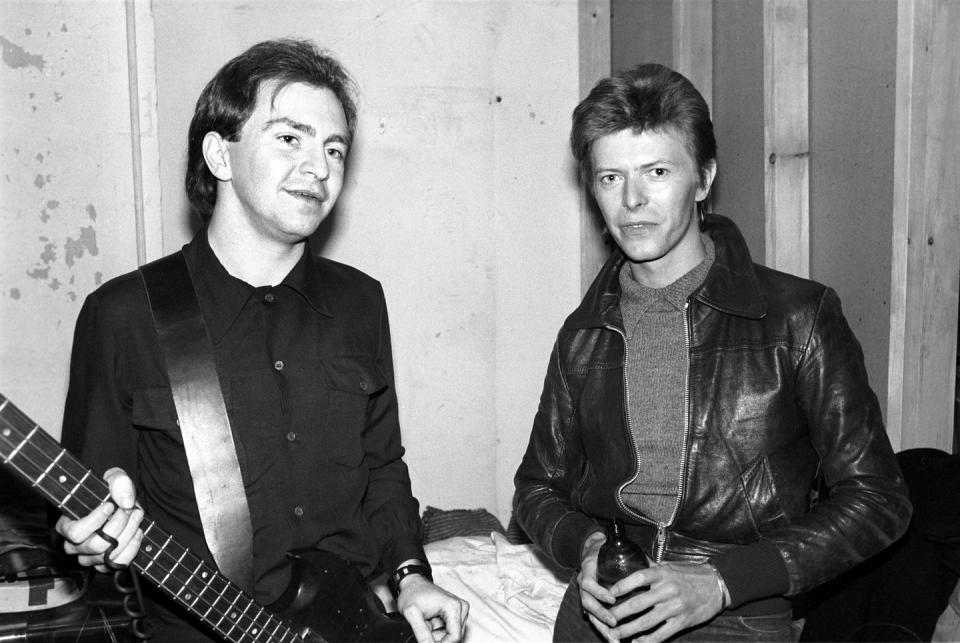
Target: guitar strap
x: 202, y: 416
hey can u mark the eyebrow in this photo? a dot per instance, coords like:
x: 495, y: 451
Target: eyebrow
x: 643, y: 168
x: 306, y: 129
x: 297, y: 125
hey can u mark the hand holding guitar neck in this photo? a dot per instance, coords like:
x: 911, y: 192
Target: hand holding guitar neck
x: 109, y: 536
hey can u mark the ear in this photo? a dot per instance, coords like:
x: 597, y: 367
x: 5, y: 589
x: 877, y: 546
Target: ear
x: 217, y: 155
x: 709, y: 172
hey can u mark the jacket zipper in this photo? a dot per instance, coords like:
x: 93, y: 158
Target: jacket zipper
x: 626, y: 414
x: 682, y: 484
x: 660, y: 544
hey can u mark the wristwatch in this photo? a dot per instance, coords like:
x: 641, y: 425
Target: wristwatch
x: 394, y: 581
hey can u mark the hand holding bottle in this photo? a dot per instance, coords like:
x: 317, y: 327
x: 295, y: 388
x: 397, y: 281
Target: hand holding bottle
x: 607, y: 559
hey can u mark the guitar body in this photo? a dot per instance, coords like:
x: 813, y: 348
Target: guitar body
x: 327, y: 599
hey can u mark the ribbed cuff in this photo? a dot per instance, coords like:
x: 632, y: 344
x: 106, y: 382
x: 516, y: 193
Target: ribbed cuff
x: 753, y: 571
x: 568, y: 536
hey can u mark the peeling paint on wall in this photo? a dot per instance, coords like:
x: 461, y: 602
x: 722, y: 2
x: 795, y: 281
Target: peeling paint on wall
x: 86, y: 242
x: 15, y: 56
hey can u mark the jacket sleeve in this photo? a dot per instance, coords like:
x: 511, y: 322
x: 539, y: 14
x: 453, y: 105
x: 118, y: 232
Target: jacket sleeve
x: 389, y: 505
x: 546, y: 477
x: 868, y: 505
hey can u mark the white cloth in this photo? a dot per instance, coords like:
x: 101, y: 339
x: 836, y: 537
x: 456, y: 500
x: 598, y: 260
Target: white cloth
x: 513, y: 591
x: 948, y: 625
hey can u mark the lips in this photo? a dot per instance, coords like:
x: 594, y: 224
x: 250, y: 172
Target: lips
x: 636, y: 227
x: 309, y: 195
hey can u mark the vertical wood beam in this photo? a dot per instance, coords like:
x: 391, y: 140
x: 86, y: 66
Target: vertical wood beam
x: 594, y: 65
x: 145, y: 144
x: 926, y: 226
x: 786, y: 135
x: 693, y: 44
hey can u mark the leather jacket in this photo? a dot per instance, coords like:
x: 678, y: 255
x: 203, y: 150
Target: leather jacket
x: 777, y: 394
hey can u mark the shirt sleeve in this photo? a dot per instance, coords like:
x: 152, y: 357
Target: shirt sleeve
x: 97, y: 412
x: 389, y: 505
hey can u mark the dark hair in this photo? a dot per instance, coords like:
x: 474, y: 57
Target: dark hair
x: 230, y: 97
x: 648, y: 97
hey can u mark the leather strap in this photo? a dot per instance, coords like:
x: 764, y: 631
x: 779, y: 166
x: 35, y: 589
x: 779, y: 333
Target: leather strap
x: 204, y: 425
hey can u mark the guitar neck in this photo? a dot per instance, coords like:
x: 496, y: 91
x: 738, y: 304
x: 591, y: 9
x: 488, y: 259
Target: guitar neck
x: 73, y: 488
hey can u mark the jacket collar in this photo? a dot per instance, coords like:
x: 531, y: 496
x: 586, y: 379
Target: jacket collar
x: 731, y: 285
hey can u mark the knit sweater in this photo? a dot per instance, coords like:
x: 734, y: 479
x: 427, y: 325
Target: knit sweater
x: 656, y: 372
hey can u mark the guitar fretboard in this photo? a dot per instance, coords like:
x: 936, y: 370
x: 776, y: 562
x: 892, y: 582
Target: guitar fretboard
x: 73, y: 488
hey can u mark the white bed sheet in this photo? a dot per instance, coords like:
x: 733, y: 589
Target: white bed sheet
x: 513, y: 593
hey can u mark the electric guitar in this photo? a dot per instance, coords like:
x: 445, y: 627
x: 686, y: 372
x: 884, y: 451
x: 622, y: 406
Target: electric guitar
x: 326, y: 600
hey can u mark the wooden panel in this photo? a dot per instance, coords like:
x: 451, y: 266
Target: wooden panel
x: 926, y: 226
x: 786, y: 145
x: 693, y: 44
x: 145, y: 146
x: 594, y: 65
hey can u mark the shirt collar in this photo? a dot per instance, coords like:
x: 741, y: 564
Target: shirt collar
x: 226, y: 295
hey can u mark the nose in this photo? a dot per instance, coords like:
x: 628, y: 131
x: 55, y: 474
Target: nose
x: 634, y: 193
x: 315, y: 163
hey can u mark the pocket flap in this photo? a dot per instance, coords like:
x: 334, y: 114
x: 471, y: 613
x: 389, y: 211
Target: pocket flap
x: 357, y: 375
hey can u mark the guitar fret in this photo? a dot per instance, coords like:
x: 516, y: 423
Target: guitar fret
x: 223, y: 612
x: 193, y: 577
x: 169, y: 538
x: 148, y: 549
x: 178, y: 561
x: 232, y: 613
x: 258, y: 627
x: 207, y: 578
x: 53, y: 463
x: 22, y: 442
x: 79, y: 484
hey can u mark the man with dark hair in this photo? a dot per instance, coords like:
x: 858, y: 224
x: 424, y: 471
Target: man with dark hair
x: 697, y: 397
x: 301, y: 346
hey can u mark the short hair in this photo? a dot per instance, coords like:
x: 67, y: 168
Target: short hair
x: 646, y: 98
x: 230, y: 97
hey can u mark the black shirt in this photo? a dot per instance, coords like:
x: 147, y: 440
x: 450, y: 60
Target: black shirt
x: 307, y: 377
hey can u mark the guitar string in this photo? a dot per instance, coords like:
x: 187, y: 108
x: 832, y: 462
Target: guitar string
x: 19, y: 450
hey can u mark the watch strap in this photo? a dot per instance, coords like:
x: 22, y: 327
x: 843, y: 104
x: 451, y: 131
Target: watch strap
x: 394, y: 581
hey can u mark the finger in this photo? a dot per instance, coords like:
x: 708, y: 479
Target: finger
x: 650, y: 624
x: 602, y: 628
x: 420, y: 628
x: 121, y: 487
x: 128, y: 543
x: 453, y: 619
x: 77, y: 532
x: 595, y: 608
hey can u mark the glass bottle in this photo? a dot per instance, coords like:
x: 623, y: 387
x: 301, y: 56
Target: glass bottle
x: 619, y: 557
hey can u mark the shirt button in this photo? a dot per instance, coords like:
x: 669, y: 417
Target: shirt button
x: 363, y: 385
x: 278, y: 365
x: 298, y: 511
x: 268, y: 297
x: 291, y: 437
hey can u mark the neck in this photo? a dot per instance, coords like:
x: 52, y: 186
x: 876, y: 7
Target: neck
x: 660, y: 273
x: 252, y: 258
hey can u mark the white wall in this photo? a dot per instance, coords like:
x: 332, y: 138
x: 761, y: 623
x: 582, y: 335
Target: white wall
x: 460, y: 199
x: 66, y: 186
